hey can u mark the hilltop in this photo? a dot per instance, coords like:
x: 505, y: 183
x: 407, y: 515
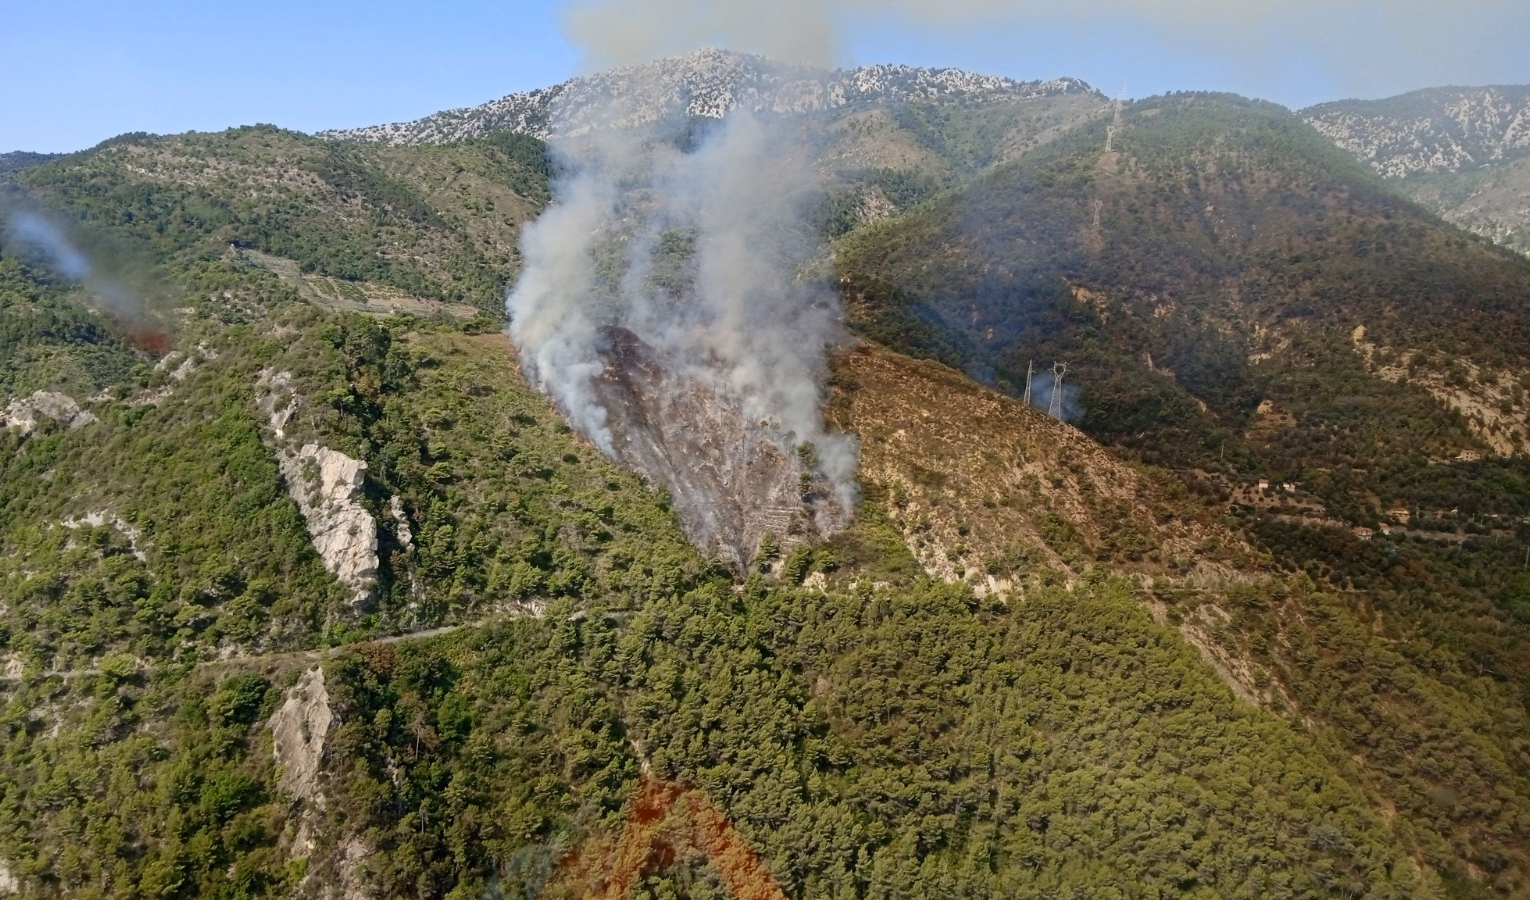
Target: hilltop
x: 707, y: 84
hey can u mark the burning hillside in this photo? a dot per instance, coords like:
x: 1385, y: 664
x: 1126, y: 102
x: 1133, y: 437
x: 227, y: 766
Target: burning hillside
x: 660, y: 307
x: 732, y: 480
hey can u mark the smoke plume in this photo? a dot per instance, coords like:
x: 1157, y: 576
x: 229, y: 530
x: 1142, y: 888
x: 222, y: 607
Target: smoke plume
x: 685, y: 240
x: 42, y: 237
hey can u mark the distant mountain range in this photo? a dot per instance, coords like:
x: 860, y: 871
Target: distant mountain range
x: 705, y: 83
x: 1463, y: 153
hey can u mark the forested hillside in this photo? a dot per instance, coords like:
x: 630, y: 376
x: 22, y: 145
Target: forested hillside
x: 304, y: 591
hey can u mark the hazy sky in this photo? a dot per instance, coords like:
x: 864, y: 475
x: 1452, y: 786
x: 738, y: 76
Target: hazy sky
x: 74, y: 72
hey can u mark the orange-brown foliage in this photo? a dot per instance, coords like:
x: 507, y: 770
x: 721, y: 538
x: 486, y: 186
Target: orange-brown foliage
x: 666, y: 822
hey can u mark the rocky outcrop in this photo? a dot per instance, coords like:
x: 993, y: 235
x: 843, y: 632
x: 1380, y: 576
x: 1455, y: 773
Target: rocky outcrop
x: 1473, y: 143
x: 732, y: 481
x: 704, y: 83
x: 298, y: 732
x: 327, y: 487
x: 9, y: 884
x: 26, y: 414
x: 1434, y: 130
x: 97, y: 518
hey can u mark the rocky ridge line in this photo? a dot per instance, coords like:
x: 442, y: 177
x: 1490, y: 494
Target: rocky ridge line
x: 1434, y: 130
x: 704, y: 83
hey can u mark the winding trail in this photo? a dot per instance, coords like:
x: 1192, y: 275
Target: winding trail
x: 14, y: 674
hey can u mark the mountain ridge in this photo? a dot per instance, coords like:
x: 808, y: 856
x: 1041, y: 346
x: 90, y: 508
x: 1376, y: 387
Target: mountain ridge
x: 705, y: 83
x: 1462, y: 152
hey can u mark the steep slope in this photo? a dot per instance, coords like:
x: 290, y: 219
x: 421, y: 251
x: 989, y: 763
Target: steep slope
x: 1219, y: 279
x: 951, y: 742
x: 1029, y: 667
x: 1459, y: 151
x: 980, y: 484
x: 1207, y: 272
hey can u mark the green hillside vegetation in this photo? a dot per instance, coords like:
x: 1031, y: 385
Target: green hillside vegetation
x: 1046, y: 715
x: 51, y: 340
x: 1208, y: 320
x: 437, y: 222
x: 884, y: 160
x: 1236, y: 252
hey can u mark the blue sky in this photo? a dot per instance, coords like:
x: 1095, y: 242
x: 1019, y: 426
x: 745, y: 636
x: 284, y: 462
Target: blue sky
x: 74, y: 72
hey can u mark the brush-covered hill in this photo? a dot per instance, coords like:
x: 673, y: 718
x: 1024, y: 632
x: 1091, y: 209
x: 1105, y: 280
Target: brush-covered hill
x: 1462, y: 152
x: 1242, y: 303
x: 1225, y: 285
x: 305, y: 591
x: 361, y: 225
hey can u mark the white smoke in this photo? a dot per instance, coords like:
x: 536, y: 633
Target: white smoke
x: 42, y: 238
x: 693, y: 242
x: 38, y: 233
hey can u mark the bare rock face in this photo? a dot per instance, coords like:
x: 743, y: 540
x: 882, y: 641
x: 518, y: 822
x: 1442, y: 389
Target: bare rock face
x: 28, y: 413
x: 1474, y: 141
x: 298, y: 730
x: 8, y: 882
x: 327, y: 486
x: 731, y: 481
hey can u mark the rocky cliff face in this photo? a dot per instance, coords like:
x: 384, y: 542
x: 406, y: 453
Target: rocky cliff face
x: 1435, y: 130
x: 327, y: 486
x: 705, y: 83
x: 1462, y: 152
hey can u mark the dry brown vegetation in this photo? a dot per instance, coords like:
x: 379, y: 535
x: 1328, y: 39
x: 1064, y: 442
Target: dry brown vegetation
x: 981, y: 484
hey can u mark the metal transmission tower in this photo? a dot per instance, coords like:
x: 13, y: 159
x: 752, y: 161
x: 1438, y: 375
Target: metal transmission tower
x: 1055, y: 404
x: 1030, y: 367
x: 1115, y: 119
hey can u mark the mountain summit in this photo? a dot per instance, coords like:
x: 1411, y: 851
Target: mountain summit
x: 704, y: 83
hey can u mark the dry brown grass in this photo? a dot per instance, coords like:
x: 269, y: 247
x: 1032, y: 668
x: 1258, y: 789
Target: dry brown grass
x: 982, y: 486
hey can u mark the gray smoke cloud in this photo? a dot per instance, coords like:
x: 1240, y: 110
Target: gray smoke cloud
x: 690, y: 236
x: 37, y: 234
x: 1045, y: 387
x: 1390, y: 44
x: 32, y: 231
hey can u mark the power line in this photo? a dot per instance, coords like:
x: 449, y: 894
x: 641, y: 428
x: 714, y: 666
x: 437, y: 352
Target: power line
x: 1055, y: 406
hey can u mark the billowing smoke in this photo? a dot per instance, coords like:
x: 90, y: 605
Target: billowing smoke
x: 678, y: 247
